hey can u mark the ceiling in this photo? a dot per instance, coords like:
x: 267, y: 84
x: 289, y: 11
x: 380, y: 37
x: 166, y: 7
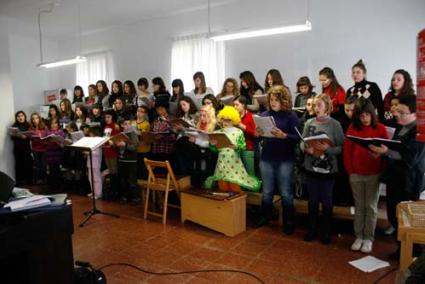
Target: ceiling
x: 97, y: 15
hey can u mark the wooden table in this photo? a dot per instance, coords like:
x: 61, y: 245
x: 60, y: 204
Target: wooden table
x: 224, y: 215
x: 407, y: 235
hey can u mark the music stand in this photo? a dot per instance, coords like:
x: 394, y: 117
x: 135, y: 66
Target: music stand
x: 89, y: 144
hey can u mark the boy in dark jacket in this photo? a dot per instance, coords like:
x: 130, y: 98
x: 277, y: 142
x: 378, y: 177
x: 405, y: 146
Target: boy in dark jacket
x: 404, y: 174
x: 127, y: 162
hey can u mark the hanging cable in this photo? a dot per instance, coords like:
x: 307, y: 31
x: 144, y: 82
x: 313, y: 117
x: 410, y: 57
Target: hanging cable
x: 40, y: 10
x: 209, y: 18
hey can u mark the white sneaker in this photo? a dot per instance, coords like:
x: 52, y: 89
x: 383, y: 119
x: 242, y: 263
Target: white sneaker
x: 367, y: 246
x: 357, y: 244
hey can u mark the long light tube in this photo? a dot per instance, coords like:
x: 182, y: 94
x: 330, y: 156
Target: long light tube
x: 64, y: 62
x: 265, y: 32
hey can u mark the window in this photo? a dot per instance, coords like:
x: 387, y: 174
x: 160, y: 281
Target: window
x: 99, y: 66
x: 198, y: 53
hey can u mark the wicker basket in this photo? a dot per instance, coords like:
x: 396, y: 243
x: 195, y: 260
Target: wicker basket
x: 416, y: 214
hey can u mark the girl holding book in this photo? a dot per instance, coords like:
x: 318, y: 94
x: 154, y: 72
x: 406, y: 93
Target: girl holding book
x: 54, y: 150
x: 186, y: 152
x: 205, y: 159
x: 22, y: 150
x: 247, y: 125
x: 38, y: 147
x: 364, y: 170
x: 230, y: 90
x: 230, y: 174
x: 321, y: 165
x: 144, y: 97
x: 278, y: 157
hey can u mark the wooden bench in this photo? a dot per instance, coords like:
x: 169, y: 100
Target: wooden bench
x: 407, y: 235
x: 224, y: 215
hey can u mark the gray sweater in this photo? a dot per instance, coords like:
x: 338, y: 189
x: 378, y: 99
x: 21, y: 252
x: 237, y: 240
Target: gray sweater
x: 327, y: 163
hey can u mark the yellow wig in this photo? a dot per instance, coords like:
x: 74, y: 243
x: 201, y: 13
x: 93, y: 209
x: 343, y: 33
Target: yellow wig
x: 230, y: 113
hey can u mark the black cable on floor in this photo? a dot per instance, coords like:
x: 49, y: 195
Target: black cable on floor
x: 385, y: 275
x: 182, y: 272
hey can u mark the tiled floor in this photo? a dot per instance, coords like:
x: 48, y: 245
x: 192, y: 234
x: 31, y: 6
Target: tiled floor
x: 266, y: 252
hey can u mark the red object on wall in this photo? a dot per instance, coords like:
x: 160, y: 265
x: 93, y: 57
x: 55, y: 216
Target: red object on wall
x: 420, y: 100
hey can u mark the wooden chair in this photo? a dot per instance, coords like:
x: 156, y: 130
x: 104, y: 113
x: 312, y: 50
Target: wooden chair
x: 163, y: 183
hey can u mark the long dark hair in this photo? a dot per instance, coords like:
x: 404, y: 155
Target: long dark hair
x: 58, y: 113
x: 158, y: 81
x: 192, y: 108
x: 203, y: 87
x: 22, y: 126
x: 174, y: 84
x: 217, y: 105
x: 78, y: 99
x: 329, y: 73
x: 119, y: 84
x: 276, y: 78
x: 105, y: 90
x: 253, y: 85
x: 407, y: 89
x: 361, y: 106
x: 130, y: 84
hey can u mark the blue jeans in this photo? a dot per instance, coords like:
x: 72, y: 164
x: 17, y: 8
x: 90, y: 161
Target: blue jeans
x: 279, y: 172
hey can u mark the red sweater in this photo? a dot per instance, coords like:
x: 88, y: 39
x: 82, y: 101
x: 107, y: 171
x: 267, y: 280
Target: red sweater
x: 110, y: 151
x: 38, y: 145
x: 338, y: 99
x: 358, y: 160
x: 249, y: 132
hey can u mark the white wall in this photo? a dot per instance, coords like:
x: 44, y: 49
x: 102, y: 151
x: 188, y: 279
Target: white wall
x: 382, y: 33
x: 29, y: 82
x: 6, y: 106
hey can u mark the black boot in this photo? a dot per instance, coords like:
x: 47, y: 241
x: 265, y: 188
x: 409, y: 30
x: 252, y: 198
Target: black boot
x: 325, y: 228
x: 266, y: 214
x: 313, y: 213
x: 288, y: 219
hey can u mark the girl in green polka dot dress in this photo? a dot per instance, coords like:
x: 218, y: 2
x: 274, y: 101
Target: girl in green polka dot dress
x: 230, y: 173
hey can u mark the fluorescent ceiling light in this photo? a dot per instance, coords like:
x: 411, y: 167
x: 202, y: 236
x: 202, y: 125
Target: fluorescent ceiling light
x: 265, y: 32
x: 57, y: 63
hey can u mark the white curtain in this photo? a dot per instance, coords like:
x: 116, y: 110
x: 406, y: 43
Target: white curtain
x: 99, y: 66
x: 198, y: 53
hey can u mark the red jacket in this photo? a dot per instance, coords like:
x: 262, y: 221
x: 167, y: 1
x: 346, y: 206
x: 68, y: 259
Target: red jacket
x: 249, y: 132
x: 110, y: 151
x: 358, y: 160
x: 338, y: 99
